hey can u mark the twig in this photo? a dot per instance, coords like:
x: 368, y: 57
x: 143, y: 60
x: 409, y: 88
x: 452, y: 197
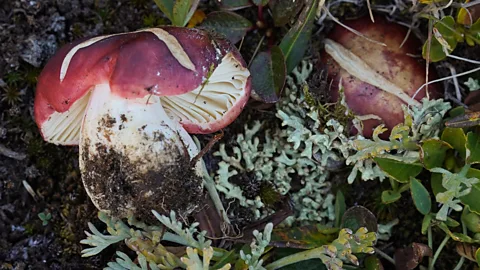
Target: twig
x: 10, y: 153
x: 256, y: 51
x: 370, y: 11
x: 351, y: 29
x: 445, y: 78
x: 455, y: 80
x: 384, y: 255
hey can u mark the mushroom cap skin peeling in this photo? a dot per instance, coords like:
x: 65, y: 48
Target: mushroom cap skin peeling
x: 130, y: 101
x: 377, y: 80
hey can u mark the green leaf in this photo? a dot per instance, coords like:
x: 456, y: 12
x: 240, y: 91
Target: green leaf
x: 295, y: 42
x: 456, y: 138
x: 420, y: 196
x: 436, y: 183
x: 312, y: 264
x: 373, y: 263
x: 460, y: 237
x: 283, y: 11
x: 268, y: 75
x: 390, y: 196
x: 474, y: 31
x: 427, y: 221
x: 304, y: 237
x: 433, y: 152
x: 357, y: 217
x: 446, y: 39
x: 260, y: 2
x: 477, y: 256
x: 340, y: 207
x: 398, y: 170
x: 180, y: 11
x: 228, y: 257
x: 234, y: 4
x: 471, y: 200
x: 166, y: 6
x: 473, y: 148
x: 457, y: 111
x: 229, y: 24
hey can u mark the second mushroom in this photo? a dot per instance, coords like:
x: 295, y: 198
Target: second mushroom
x: 129, y: 101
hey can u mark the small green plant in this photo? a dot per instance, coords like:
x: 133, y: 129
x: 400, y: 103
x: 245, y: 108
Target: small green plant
x: 45, y: 217
x: 178, y: 12
x: 152, y: 253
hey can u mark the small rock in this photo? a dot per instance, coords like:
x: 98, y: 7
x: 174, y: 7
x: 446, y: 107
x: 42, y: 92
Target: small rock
x: 36, y: 50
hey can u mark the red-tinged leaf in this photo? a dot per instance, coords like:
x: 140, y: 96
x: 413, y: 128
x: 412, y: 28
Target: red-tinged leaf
x: 468, y: 251
x: 235, y: 4
x: 260, y: 2
x: 408, y: 258
x: 229, y: 24
x: 283, y: 11
x: 268, y: 75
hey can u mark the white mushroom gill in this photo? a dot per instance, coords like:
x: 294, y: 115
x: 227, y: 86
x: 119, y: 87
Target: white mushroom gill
x: 63, y: 128
x: 211, y: 101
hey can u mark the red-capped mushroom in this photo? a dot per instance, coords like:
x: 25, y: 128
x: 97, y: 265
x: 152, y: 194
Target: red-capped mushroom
x: 129, y: 100
x: 377, y: 80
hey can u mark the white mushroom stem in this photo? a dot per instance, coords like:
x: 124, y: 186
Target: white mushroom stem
x: 136, y: 129
x: 355, y: 66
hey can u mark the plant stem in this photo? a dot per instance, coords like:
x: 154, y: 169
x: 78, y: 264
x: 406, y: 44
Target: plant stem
x: 256, y: 51
x: 294, y: 258
x: 384, y: 255
x: 212, y: 191
x: 438, y: 251
x: 460, y: 263
x: 430, y: 242
x: 462, y: 259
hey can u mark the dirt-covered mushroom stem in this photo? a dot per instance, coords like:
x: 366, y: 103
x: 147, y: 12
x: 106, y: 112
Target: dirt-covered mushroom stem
x: 129, y: 100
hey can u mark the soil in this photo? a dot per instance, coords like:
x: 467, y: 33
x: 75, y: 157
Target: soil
x: 37, y: 177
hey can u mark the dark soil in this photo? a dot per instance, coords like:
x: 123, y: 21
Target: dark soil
x: 30, y: 33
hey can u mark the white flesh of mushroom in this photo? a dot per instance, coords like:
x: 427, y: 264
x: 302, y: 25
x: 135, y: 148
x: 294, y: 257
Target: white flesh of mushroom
x: 138, y: 129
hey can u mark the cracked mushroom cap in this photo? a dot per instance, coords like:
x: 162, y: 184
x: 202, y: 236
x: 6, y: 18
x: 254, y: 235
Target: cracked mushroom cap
x: 202, y: 80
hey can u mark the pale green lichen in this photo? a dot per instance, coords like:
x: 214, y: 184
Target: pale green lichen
x: 257, y: 247
x: 296, y: 148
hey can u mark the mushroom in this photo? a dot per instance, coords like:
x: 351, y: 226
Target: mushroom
x: 129, y: 100
x: 377, y: 80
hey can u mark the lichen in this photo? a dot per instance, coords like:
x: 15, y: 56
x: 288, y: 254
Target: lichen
x: 303, y: 148
x: 295, y: 150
